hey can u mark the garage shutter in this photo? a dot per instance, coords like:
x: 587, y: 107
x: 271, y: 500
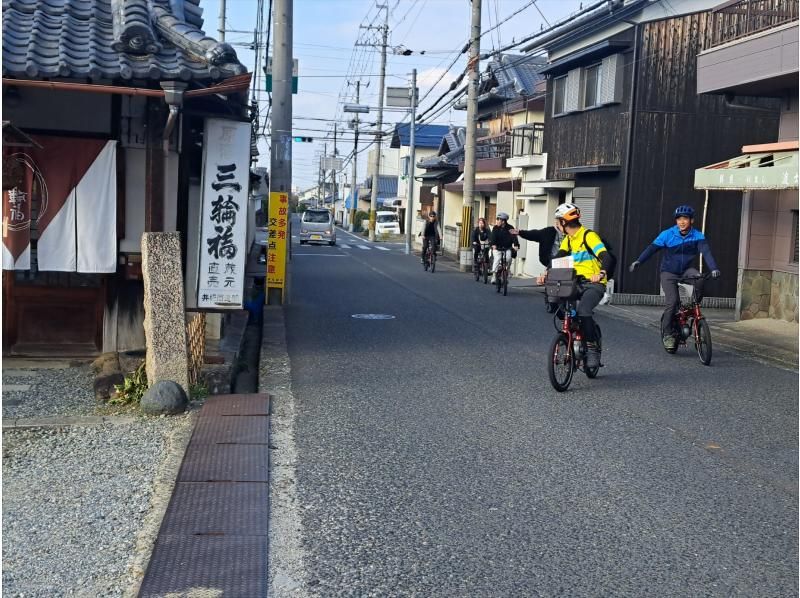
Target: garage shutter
x: 587, y: 199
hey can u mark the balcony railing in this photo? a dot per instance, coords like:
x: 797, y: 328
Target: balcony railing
x: 526, y: 140
x: 739, y: 18
x: 496, y: 146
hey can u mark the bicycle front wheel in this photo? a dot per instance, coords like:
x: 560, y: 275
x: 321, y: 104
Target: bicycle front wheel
x: 702, y: 341
x: 505, y: 282
x: 560, y: 364
x: 433, y: 262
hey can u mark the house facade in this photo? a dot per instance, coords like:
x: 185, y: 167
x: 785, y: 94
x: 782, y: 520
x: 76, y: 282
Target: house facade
x: 752, y: 51
x: 625, y: 125
x: 116, y: 105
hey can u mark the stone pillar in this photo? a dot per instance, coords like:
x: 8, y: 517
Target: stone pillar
x: 165, y: 319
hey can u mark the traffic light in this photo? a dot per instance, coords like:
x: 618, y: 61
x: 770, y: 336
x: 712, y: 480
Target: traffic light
x: 304, y: 139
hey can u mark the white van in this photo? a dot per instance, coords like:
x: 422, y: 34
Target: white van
x: 387, y: 222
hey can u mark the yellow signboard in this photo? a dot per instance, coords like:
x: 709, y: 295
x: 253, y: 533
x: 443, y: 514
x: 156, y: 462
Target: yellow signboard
x: 277, y: 238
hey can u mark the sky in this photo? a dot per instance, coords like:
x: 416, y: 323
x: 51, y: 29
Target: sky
x: 330, y: 63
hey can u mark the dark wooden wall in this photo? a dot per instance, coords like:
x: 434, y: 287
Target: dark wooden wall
x: 675, y: 132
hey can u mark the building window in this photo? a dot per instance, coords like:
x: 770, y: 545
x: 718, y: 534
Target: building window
x: 559, y: 93
x: 795, y: 238
x: 591, y: 86
x: 404, y: 167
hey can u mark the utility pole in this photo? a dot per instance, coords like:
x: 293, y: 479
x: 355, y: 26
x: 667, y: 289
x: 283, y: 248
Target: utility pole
x: 354, y: 185
x: 333, y: 175
x: 280, y: 180
x: 379, y: 133
x: 413, y: 158
x: 469, y: 149
x: 221, y: 20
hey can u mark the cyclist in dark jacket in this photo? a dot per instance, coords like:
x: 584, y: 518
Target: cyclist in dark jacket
x: 549, y: 240
x: 430, y: 234
x: 502, y: 241
x: 480, y: 234
x: 681, y: 244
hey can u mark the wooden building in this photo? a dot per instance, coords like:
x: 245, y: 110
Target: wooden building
x: 624, y: 121
x: 115, y: 95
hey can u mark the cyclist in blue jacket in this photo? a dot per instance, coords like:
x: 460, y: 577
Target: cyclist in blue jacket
x: 681, y: 244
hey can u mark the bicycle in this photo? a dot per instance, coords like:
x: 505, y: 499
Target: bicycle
x: 501, y: 275
x: 568, y: 348
x: 481, y: 267
x: 689, y: 321
x: 429, y: 260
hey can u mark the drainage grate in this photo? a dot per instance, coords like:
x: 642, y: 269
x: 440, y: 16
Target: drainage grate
x: 231, y: 429
x: 249, y: 404
x: 207, y: 566
x: 225, y: 463
x: 217, y: 508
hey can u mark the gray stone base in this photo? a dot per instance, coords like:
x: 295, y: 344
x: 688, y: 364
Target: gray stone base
x: 768, y: 294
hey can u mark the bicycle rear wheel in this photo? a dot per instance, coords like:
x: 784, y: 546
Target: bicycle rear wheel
x: 702, y: 341
x: 485, y: 267
x: 560, y: 364
x: 425, y: 261
x: 505, y: 282
x: 476, y: 267
x: 433, y: 262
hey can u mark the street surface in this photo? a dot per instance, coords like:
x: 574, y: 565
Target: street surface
x: 435, y: 459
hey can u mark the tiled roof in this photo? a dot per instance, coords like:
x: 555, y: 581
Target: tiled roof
x: 112, y: 39
x: 510, y: 77
x: 451, y: 150
x: 424, y: 135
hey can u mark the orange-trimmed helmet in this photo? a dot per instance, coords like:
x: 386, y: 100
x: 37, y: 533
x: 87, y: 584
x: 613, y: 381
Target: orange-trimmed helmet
x: 568, y: 212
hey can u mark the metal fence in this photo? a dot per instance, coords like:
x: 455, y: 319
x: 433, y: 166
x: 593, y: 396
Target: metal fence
x: 740, y: 18
x: 527, y: 140
x: 195, y: 344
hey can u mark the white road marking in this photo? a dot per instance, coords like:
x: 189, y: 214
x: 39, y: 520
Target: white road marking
x: 344, y: 246
x: 382, y: 248
x: 363, y: 247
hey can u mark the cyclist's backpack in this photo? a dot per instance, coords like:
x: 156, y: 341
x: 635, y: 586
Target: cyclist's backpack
x: 612, y: 257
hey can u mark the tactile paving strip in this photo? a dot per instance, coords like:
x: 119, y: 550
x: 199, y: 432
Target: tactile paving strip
x: 231, y: 429
x: 217, y: 508
x: 249, y: 404
x: 207, y: 566
x: 225, y: 463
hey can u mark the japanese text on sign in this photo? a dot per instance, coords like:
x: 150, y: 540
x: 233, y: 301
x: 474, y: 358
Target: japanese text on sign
x: 224, y: 228
x: 277, y: 233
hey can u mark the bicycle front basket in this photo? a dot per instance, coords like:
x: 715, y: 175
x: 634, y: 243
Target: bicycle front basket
x: 561, y: 284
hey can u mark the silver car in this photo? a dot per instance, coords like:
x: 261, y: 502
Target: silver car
x: 316, y: 226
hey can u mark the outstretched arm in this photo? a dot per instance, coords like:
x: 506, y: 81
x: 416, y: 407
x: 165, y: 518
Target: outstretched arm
x: 705, y: 250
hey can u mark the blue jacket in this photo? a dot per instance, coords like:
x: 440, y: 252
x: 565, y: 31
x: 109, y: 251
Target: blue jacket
x: 679, y: 250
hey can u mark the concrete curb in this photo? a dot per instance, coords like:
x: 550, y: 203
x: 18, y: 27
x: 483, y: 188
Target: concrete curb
x: 66, y: 422
x: 745, y: 346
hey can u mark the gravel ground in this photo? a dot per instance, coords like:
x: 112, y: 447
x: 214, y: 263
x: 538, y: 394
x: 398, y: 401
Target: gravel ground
x: 52, y: 392
x: 81, y: 504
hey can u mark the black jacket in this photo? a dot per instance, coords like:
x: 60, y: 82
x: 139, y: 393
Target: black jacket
x: 545, y: 237
x: 479, y: 235
x: 431, y: 229
x: 502, y: 239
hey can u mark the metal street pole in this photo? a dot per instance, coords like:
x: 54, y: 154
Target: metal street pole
x: 280, y: 180
x: 221, y: 20
x: 469, y: 150
x: 354, y: 186
x: 378, y: 135
x: 410, y: 202
x: 333, y: 174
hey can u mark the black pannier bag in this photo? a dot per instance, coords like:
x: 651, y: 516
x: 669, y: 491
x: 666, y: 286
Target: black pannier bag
x: 561, y: 284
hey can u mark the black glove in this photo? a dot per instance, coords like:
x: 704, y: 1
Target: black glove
x: 633, y: 266
x: 716, y: 274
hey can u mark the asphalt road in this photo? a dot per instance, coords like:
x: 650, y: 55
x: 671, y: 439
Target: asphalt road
x: 434, y: 458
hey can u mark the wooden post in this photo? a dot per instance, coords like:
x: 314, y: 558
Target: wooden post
x: 154, y: 166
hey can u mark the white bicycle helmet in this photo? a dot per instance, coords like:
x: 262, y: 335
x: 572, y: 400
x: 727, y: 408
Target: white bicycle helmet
x: 502, y: 216
x: 568, y: 212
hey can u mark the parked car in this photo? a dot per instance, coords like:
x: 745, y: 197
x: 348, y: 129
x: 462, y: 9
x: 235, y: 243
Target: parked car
x: 387, y: 222
x: 316, y: 226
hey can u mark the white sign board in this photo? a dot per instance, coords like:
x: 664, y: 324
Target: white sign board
x: 223, y: 250
x: 331, y: 163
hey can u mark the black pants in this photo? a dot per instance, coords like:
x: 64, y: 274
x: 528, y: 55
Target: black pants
x: 672, y: 298
x: 427, y: 241
x: 590, y: 297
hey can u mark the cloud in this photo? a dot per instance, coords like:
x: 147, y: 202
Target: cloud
x: 428, y: 78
